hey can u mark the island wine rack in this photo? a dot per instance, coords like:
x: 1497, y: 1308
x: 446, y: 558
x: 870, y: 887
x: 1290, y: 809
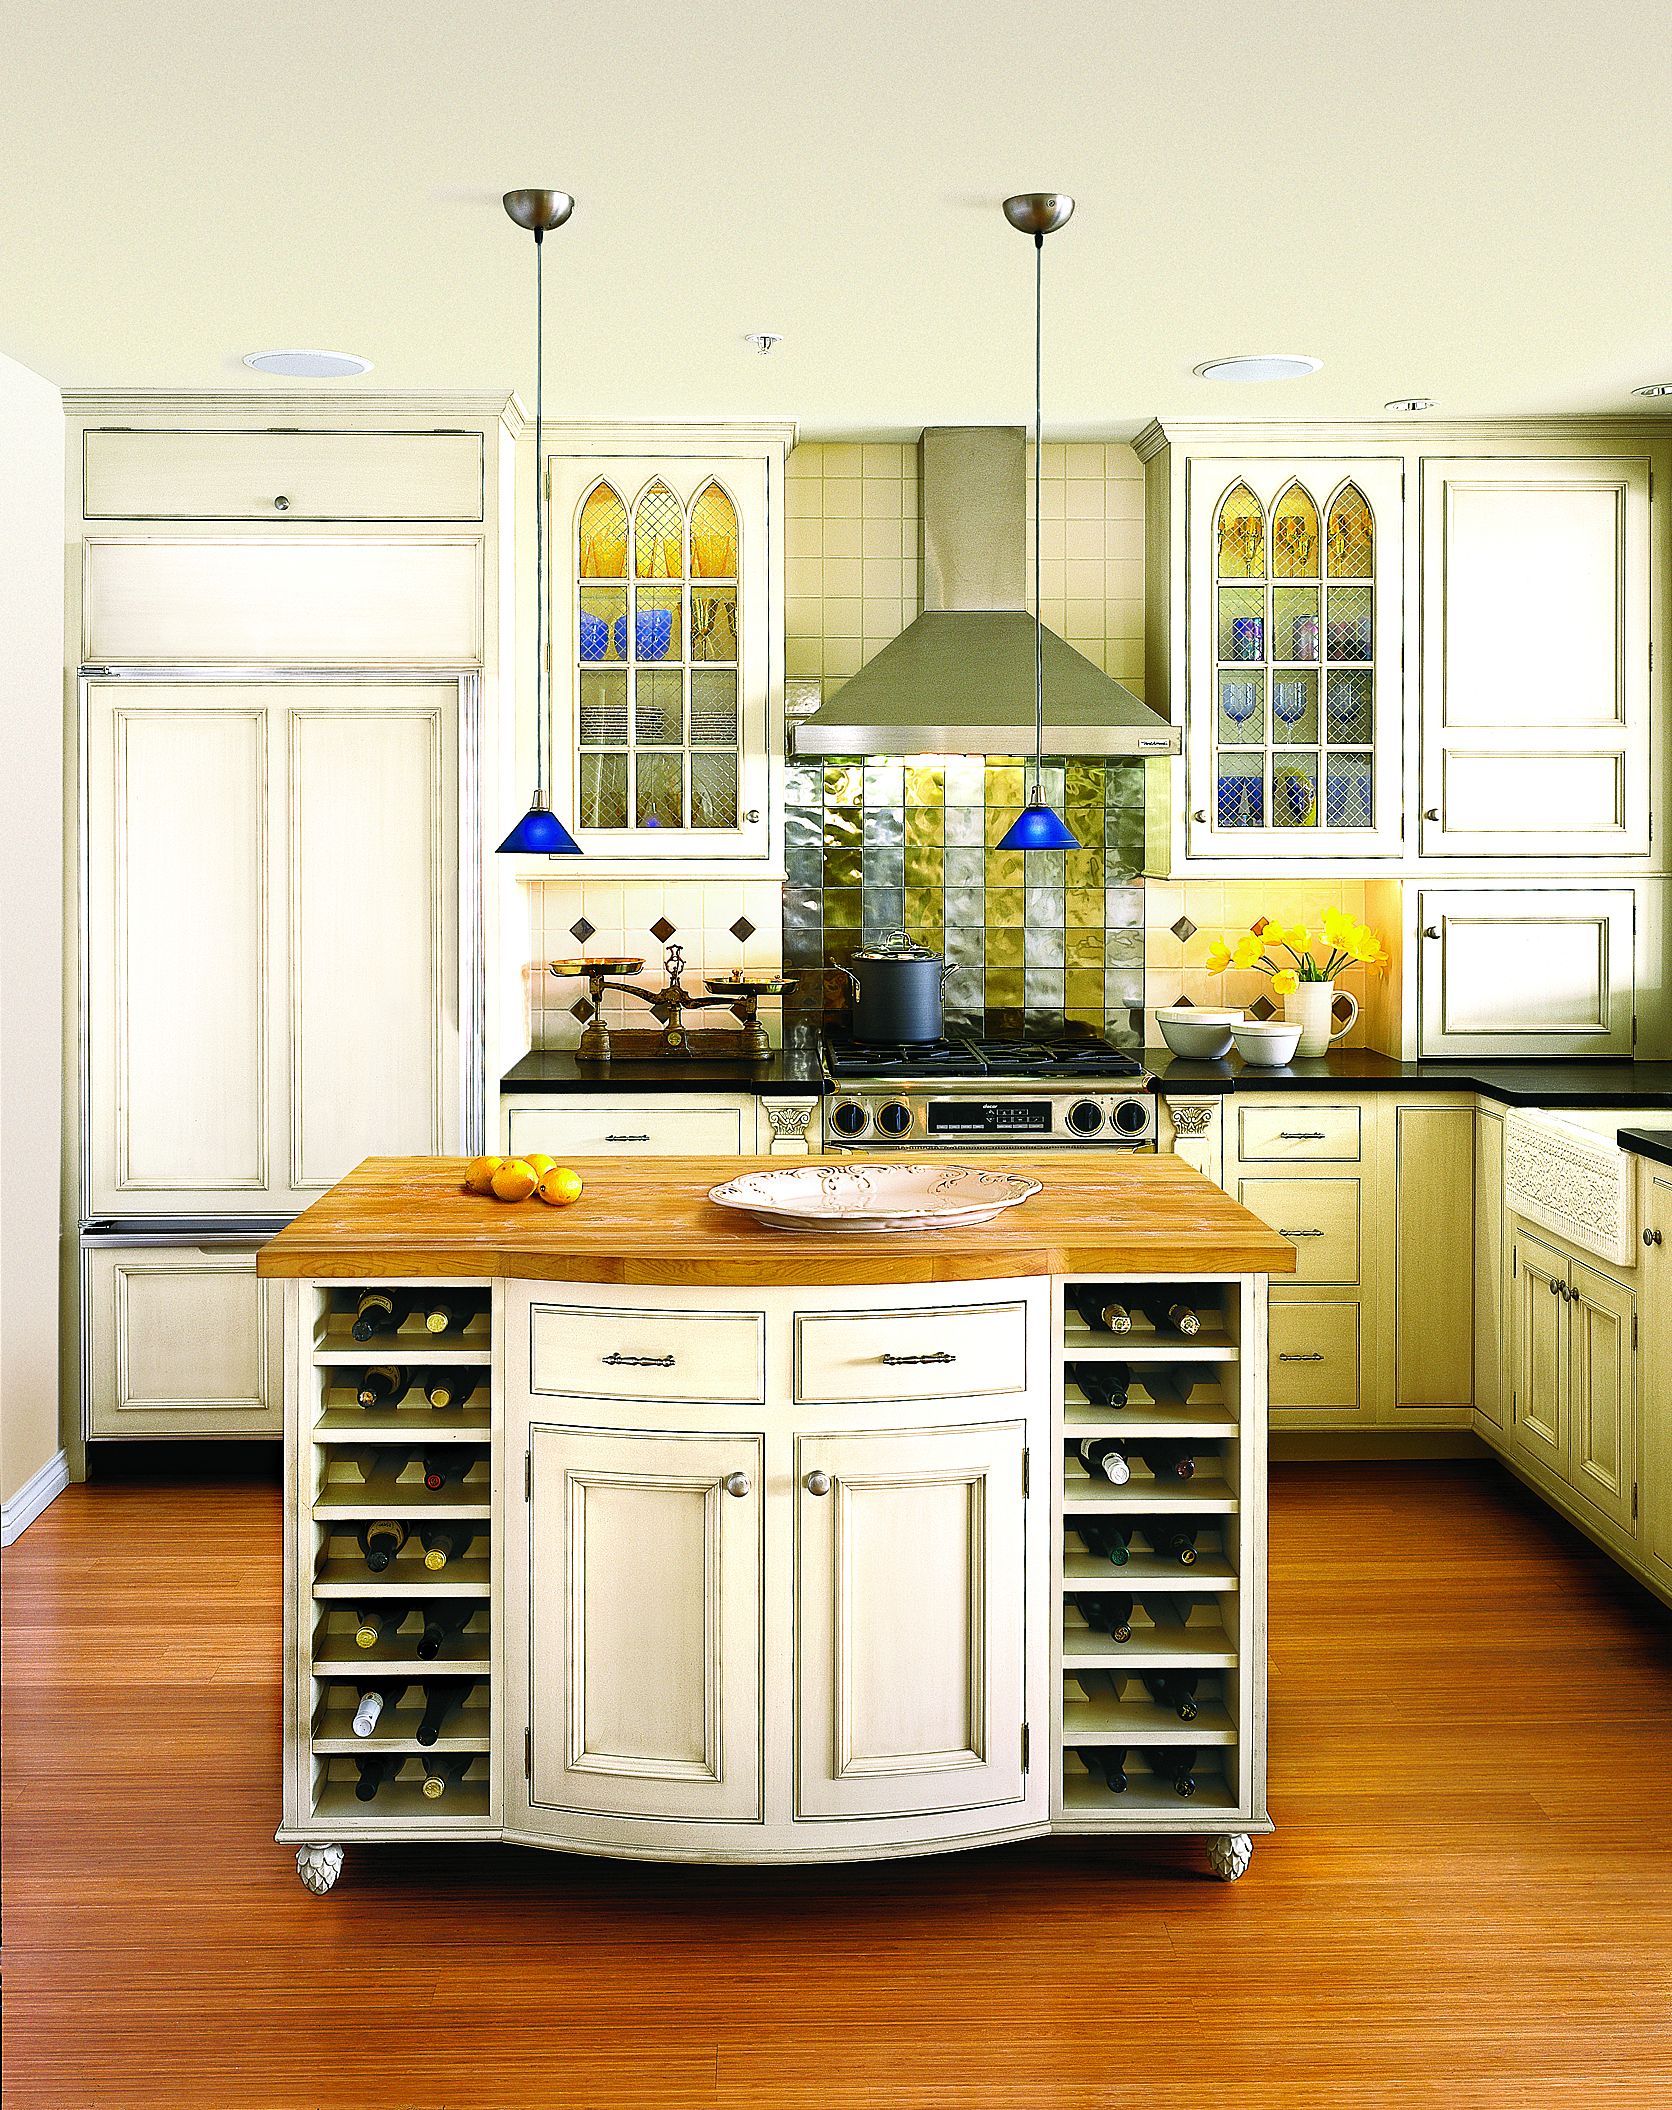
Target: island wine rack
x: 417, y: 1629
x: 1159, y: 1649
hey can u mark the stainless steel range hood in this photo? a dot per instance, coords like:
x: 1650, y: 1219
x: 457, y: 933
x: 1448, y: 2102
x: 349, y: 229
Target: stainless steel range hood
x: 959, y: 681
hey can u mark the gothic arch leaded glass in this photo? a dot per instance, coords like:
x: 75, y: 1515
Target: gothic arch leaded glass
x: 1240, y: 539
x: 1352, y: 535
x: 1294, y: 535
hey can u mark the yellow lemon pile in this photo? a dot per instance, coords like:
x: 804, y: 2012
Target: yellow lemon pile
x: 515, y: 1179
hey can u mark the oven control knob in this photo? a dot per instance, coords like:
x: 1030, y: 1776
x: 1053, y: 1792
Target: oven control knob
x: 1084, y: 1117
x: 894, y: 1119
x: 848, y: 1117
x: 1132, y: 1115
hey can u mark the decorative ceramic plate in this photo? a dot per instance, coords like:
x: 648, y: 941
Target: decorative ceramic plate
x: 873, y: 1197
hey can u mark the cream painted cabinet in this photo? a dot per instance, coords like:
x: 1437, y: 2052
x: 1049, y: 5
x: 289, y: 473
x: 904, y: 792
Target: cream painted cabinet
x: 272, y: 968
x: 1538, y: 1351
x: 290, y: 477
x: 1514, y: 972
x: 182, y: 1340
x: 1489, y: 1266
x: 910, y: 1602
x: 1535, y: 657
x: 631, y: 1124
x: 1433, y: 1176
x: 1573, y: 1365
x: 1655, y: 1475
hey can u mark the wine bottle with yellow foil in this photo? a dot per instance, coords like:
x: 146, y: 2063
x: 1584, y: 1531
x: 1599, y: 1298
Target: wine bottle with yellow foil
x: 374, y: 1625
x: 449, y: 1388
x: 443, y: 1774
x: 380, y: 1541
x: 443, y: 1543
x: 444, y: 1314
x: 378, y: 1311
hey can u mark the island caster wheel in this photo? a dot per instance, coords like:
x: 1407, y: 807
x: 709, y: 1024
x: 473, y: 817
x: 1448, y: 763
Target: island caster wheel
x: 1228, y: 1855
x: 319, y: 1867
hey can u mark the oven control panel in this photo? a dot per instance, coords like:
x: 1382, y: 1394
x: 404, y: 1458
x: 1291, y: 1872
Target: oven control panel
x: 995, y: 1115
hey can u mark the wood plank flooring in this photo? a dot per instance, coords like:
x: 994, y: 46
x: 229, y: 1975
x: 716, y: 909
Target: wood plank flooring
x: 1468, y: 1900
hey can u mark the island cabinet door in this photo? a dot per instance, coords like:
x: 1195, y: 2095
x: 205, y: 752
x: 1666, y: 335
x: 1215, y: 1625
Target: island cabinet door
x: 910, y: 1588
x: 644, y: 1624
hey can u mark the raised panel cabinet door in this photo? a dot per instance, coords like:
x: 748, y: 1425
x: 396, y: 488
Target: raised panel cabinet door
x: 291, y: 477
x: 371, y: 994
x: 910, y: 1594
x: 1539, y: 1351
x: 1434, y: 1243
x: 182, y: 923
x: 1489, y: 1269
x: 181, y: 1341
x: 1525, y: 971
x: 644, y: 1623
x: 1535, y: 650
x: 1655, y: 1377
x: 1602, y: 1391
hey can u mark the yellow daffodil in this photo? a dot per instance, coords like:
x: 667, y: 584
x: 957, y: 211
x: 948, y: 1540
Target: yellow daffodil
x: 1219, y: 956
x: 1339, y: 926
x: 1295, y: 936
x: 1285, y: 981
x: 1248, y: 951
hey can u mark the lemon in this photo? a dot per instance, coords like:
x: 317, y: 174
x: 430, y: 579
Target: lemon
x: 479, y: 1178
x: 537, y: 1161
x: 514, y: 1180
x: 559, y: 1186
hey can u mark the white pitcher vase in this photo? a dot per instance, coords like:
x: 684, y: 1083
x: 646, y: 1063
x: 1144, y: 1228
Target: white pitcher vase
x: 1311, y: 1006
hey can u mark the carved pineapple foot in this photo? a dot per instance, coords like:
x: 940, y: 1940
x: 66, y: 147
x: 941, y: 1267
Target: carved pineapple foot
x: 1229, y: 1855
x: 319, y: 1867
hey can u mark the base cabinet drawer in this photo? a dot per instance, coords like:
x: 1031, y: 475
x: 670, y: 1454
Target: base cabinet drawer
x: 693, y: 1358
x: 181, y: 1341
x: 1319, y: 1216
x: 957, y: 1351
x: 1272, y: 1130
x: 646, y: 1127
x: 1314, y: 1355
x: 282, y: 476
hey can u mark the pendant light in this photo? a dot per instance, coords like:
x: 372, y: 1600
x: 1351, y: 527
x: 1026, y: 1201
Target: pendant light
x: 1038, y: 826
x: 540, y: 832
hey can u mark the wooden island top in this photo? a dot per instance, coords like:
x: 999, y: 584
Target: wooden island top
x: 649, y: 1220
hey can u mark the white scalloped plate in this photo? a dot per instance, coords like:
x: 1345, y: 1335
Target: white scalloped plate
x: 886, y: 1197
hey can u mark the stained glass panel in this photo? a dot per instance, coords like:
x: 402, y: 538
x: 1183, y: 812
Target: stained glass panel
x: 1294, y: 535
x: 713, y: 535
x: 658, y: 535
x: 603, y: 709
x: 714, y: 790
x: 1352, y: 535
x: 603, y: 622
x: 658, y: 625
x: 602, y: 541
x: 714, y: 623
x: 1294, y: 709
x: 659, y: 787
x: 1294, y: 791
x: 1240, y: 537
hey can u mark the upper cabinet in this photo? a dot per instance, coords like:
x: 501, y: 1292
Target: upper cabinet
x: 1535, y: 657
x: 667, y: 647
x: 1294, y: 679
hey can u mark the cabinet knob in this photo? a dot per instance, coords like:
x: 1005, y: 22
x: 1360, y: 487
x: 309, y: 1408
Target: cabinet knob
x: 1431, y: 813
x: 1431, y: 930
x: 1651, y: 1238
x: 817, y: 1483
x: 1555, y: 1289
x: 737, y: 1483
x: 753, y: 815
x: 1200, y: 816
x: 281, y: 504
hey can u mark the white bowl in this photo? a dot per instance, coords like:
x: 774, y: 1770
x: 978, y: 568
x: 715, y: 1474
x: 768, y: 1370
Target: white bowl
x: 1266, y: 1044
x: 1194, y: 1030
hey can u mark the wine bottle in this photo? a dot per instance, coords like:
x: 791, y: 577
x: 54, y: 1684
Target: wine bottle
x: 1169, y: 1387
x: 1175, y: 1689
x: 439, y: 1702
x: 448, y: 1388
x: 380, y: 1468
x: 1104, y: 1384
x: 1104, y: 1458
x: 1104, y: 1762
x: 1168, y: 1315
x: 1100, y: 1310
x: 443, y: 1543
x: 1178, y: 1765
x: 380, y: 1542
x: 444, y: 1315
x: 1177, y: 1542
x: 370, y: 1708
x: 373, y: 1773
x: 444, y: 1469
x: 378, y: 1311
x: 372, y: 1626
x: 1104, y: 1540
x: 381, y: 1384
x: 1168, y: 1460
x: 1111, y: 1614
x: 440, y: 1774
x: 440, y: 1627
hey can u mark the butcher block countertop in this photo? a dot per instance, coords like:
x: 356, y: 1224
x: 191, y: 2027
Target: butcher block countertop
x: 650, y: 1221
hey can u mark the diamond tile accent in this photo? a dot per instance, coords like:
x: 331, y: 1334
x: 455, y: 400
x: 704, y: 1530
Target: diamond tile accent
x: 1263, y: 1008
x: 662, y: 930
x: 581, y: 930
x: 1184, y: 929
x: 581, y: 1008
x: 742, y: 929
x: 1259, y: 929
x: 1182, y: 1003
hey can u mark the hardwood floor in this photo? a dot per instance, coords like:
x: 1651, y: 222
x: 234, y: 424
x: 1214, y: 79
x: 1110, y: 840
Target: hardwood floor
x: 1468, y: 1900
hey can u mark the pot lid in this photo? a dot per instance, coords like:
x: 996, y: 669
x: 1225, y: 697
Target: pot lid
x: 896, y: 945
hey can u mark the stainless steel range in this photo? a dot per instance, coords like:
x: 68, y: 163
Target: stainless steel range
x: 968, y: 1093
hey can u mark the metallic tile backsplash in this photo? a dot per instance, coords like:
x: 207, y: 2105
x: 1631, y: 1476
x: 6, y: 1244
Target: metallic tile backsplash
x: 1031, y: 943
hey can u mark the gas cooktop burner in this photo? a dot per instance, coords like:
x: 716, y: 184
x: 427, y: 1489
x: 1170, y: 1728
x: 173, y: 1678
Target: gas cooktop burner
x: 966, y: 1055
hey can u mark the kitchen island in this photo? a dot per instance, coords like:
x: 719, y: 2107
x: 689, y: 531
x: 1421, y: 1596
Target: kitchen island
x: 636, y: 1528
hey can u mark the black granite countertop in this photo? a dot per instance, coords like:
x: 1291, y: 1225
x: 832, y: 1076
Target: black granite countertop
x: 795, y: 1069
x: 1653, y: 1143
x: 1646, y: 1084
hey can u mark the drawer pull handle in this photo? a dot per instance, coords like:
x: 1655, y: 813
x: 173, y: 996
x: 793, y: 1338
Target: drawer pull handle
x: 628, y: 1139
x: 936, y: 1355
x: 1289, y: 1357
x: 1301, y: 1135
x: 615, y: 1360
x: 736, y: 1483
x: 1285, y: 1232
x: 817, y: 1483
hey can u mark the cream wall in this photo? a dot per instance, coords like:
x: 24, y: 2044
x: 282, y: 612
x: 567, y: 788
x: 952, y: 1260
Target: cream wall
x: 31, y: 921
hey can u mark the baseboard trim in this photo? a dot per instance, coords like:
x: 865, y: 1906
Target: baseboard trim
x: 1326, y: 1446
x: 36, y: 1493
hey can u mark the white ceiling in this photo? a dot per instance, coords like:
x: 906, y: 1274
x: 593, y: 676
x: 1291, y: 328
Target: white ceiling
x: 1465, y: 199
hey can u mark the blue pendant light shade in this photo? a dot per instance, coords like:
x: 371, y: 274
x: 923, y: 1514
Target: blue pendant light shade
x: 1038, y: 826
x: 539, y: 833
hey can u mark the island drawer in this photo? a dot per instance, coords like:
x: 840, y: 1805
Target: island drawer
x: 963, y: 1351
x: 695, y: 1358
x: 1275, y: 1130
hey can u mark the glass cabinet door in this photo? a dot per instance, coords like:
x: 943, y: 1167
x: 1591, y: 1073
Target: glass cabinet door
x: 1295, y: 658
x: 659, y: 579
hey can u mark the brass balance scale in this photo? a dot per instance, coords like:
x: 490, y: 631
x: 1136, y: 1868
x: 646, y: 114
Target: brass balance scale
x: 739, y: 991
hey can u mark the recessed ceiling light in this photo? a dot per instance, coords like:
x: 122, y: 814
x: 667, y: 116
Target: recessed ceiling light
x: 1259, y: 366
x: 1654, y: 388
x: 308, y: 366
x: 1410, y: 403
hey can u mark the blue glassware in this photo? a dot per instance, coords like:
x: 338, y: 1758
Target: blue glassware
x: 1288, y: 701
x: 1248, y: 636
x: 595, y: 636
x: 1241, y: 700
x: 620, y: 628
x: 1241, y: 802
x: 652, y: 632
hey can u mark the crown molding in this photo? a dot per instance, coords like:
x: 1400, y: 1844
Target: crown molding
x: 1415, y: 430
x: 648, y: 436
x: 264, y: 407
